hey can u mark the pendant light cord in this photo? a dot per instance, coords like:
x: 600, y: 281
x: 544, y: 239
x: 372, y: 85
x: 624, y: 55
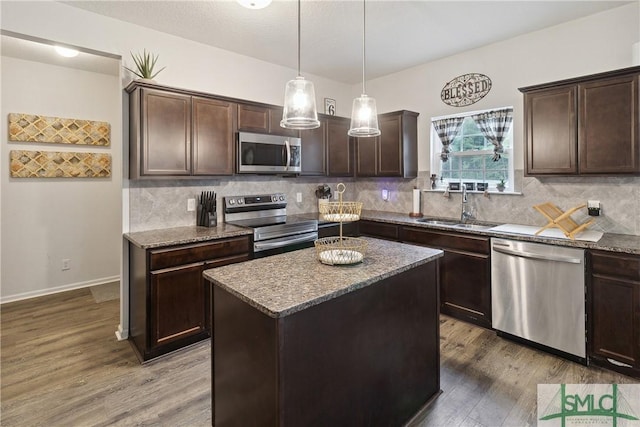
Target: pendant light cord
x: 299, y: 38
x: 364, y: 30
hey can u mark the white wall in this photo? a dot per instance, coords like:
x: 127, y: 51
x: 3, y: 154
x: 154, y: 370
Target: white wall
x: 593, y: 44
x: 46, y: 220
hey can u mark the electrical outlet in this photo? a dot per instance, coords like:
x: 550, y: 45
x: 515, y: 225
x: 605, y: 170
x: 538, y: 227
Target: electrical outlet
x: 66, y: 264
x: 191, y: 205
x: 385, y: 195
x: 299, y: 197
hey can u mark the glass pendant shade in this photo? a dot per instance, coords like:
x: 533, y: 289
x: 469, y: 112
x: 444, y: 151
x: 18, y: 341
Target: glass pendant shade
x: 364, y: 117
x: 299, y: 105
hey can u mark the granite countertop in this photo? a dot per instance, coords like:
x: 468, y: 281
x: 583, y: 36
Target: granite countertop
x: 624, y: 243
x: 183, y: 235
x: 283, y: 284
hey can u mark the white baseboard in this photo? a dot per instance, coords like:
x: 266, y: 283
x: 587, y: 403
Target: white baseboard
x: 64, y: 288
x: 121, y: 334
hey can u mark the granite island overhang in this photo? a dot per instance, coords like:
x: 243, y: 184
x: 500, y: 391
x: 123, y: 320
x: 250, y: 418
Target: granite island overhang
x: 297, y: 342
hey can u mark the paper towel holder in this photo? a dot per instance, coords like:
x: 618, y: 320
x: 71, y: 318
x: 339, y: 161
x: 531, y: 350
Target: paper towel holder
x: 416, y: 214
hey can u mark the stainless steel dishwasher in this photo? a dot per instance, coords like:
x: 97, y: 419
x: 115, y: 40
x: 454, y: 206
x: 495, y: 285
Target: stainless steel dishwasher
x: 538, y: 294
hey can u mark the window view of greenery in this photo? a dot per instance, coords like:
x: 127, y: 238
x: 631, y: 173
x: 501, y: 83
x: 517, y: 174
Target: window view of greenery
x: 470, y: 157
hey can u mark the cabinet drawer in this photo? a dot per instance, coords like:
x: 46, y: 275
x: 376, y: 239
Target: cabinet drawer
x: 443, y: 239
x: 624, y: 266
x: 164, y: 258
x: 378, y: 229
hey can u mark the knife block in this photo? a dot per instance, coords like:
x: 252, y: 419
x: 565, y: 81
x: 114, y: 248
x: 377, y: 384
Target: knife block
x: 206, y: 218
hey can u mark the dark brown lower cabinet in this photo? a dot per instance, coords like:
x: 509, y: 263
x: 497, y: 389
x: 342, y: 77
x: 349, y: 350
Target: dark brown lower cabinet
x: 381, y: 230
x: 614, y: 315
x: 465, y: 272
x: 169, y: 304
x: 332, y: 229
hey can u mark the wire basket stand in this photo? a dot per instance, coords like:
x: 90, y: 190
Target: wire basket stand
x: 339, y: 250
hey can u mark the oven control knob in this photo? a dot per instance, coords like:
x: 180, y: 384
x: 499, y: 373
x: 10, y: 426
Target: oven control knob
x: 274, y: 198
x: 282, y: 197
x: 232, y: 201
x: 240, y: 201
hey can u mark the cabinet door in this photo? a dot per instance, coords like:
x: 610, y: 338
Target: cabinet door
x: 313, y: 150
x: 253, y: 118
x: 213, y: 136
x: 339, y: 148
x: 178, y: 304
x: 275, y: 117
x: 465, y: 272
x: 367, y: 156
x: 465, y: 290
x: 551, y: 127
x: 166, y: 133
x: 390, y: 144
x: 608, y: 132
x: 616, y: 318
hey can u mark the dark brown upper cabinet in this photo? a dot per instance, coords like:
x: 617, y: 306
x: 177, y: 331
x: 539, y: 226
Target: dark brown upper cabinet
x: 174, y: 133
x: 328, y: 150
x: 340, y: 147
x: 213, y: 136
x: 261, y: 118
x: 583, y: 126
x: 314, y: 150
x: 395, y: 152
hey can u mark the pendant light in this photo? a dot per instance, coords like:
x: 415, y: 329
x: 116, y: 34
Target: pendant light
x: 299, y: 99
x: 364, y: 114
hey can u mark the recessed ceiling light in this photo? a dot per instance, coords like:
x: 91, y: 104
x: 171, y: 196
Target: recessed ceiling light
x: 66, y: 52
x: 254, y: 4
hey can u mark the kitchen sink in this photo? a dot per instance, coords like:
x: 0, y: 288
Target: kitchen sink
x: 454, y: 224
x: 449, y: 223
x: 474, y: 226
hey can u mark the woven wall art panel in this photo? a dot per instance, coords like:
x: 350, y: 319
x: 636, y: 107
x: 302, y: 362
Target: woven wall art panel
x: 34, y: 128
x: 53, y: 164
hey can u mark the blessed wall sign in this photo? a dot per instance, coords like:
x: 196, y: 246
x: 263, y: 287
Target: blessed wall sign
x: 466, y: 89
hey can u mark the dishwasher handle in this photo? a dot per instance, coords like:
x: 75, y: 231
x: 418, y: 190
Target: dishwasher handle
x: 531, y: 255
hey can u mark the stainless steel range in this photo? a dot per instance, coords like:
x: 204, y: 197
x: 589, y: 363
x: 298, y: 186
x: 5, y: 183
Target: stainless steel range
x: 273, y: 231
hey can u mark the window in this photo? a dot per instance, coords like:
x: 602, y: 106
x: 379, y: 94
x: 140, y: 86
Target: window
x: 471, y: 154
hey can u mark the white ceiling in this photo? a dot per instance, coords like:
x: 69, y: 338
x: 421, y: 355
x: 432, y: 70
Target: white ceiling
x: 400, y: 34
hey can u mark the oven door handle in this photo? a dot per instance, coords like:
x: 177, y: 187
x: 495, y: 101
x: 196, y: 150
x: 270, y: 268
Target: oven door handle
x: 286, y: 144
x: 264, y: 246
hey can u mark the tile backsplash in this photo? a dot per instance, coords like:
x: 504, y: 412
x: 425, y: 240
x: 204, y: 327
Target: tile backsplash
x: 163, y: 203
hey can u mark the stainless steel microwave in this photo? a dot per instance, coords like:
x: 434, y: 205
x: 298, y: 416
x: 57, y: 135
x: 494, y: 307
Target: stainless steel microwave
x: 260, y: 153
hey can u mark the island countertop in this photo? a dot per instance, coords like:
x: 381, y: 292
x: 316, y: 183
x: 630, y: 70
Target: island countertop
x: 284, y: 284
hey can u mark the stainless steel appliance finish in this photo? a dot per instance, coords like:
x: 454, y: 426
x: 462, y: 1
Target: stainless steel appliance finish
x: 260, y: 153
x: 273, y: 231
x: 538, y: 294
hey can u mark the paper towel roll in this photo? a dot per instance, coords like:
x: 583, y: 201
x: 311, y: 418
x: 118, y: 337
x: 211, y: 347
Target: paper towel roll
x: 416, y: 201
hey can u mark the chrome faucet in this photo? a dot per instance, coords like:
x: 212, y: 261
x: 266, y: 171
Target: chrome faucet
x: 464, y: 214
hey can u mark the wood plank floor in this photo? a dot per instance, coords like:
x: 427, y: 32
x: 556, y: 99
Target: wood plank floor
x: 61, y: 365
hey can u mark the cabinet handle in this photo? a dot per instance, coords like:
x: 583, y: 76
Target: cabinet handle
x: 615, y: 362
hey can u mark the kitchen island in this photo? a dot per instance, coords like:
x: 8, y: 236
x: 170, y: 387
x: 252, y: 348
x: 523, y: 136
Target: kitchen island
x: 297, y: 342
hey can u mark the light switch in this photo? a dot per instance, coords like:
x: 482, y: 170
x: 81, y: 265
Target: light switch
x: 299, y: 197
